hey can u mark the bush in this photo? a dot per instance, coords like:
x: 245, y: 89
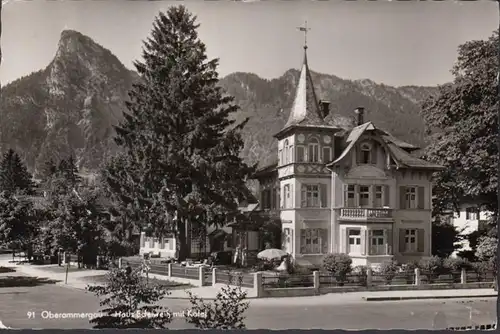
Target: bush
x: 388, y: 270
x: 130, y: 302
x: 456, y: 264
x: 361, y: 272
x: 300, y: 270
x: 432, y: 265
x: 482, y: 267
x: 410, y: 267
x: 225, y: 312
x: 339, y: 265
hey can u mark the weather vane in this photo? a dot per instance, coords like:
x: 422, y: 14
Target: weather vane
x: 304, y: 29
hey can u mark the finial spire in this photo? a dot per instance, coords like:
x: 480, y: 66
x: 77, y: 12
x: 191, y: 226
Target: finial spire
x: 304, y: 29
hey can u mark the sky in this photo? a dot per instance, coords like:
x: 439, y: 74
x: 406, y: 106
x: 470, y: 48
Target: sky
x: 395, y: 43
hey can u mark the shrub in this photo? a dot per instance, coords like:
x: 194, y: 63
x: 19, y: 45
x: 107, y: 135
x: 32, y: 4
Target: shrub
x: 388, y: 270
x: 339, y: 265
x: 456, y: 264
x: 130, y: 302
x: 410, y: 267
x: 482, y: 267
x: 225, y: 312
x: 361, y: 272
x: 432, y: 265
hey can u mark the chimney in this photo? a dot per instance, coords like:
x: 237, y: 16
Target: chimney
x: 325, y: 108
x: 360, y: 111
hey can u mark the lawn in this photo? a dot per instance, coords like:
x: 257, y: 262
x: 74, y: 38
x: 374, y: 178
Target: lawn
x: 4, y: 270
x: 60, y: 269
x: 170, y: 284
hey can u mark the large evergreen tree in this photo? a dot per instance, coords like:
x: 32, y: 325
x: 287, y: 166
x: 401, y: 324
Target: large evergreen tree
x: 14, y: 175
x: 181, y: 147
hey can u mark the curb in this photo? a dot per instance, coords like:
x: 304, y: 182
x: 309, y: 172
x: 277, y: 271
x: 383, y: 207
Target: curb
x: 373, y: 299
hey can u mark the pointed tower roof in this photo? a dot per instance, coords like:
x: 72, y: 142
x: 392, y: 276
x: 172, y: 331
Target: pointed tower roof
x: 305, y: 109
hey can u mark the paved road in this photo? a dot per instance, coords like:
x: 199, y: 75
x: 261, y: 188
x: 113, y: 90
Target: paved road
x: 320, y: 313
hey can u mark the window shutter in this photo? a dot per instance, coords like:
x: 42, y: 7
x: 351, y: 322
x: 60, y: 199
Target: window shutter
x: 373, y: 194
x: 282, y: 197
x: 300, y: 153
x: 291, y: 155
x: 356, y: 195
x: 323, y: 198
x: 374, y: 155
x: 302, y: 241
x: 363, y: 241
x: 291, y: 203
x: 326, y: 154
x: 291, y: 241
x: 402, y: 202
x: 343, y: 241
x: 421, y: 197
x: 345, y: 195
x: 324, y: 241
x: 402, y: 245
x: 387, y: 196
x: 358, y: 154
x: 420, y: 240
x: 303, y: 200
x: 388, y: 240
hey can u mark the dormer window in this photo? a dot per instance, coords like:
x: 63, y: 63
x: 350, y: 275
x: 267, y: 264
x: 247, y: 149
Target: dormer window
x: 313, y: 150
x: 366, y: 153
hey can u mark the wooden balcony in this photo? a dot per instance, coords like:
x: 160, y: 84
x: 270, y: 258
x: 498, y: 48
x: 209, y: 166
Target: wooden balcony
x: 365, y: 214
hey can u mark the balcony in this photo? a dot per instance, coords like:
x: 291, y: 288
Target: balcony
x: 364, y: 214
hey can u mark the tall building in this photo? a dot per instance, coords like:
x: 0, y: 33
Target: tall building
x: 359, y: 191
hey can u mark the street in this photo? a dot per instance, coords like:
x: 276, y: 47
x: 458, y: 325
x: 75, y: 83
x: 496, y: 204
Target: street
x: 322, y: 312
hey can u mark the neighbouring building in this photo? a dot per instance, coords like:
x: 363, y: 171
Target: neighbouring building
x: 357, y: 191
x: 469, y: 218
x: 209, y: 239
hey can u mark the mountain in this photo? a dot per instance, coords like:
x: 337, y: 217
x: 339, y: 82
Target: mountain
x: 67, y: 108
x: 71, y: 105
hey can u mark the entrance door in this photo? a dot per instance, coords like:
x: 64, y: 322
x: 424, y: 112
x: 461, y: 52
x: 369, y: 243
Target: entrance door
x: 354, y: 241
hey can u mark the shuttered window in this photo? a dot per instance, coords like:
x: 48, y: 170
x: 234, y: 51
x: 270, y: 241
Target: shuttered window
x: 314, y: 241
x: 327, y: 153
x: 300, y: 154
x: 412, y: 240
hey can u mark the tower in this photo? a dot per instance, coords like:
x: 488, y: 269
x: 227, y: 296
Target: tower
x: 305, y: 145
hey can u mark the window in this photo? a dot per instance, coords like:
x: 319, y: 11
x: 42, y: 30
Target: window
x: 266, y: 199
x: 327, y: 154
x: 286, y: 153
x: 364, y: 196
x: 354, y: 241
x: 377, y: 243
x: 288, y: 196
x: 290, y: 154
x: 287, y: 240
x: 314, y: 241
x: 300, y: 154
x: 411, y: 240
x: 411, y: 198
x: 313, y: 154
x: 310, y: 196
x: 366, y: 154
x: 280, y: 157
x: 378, y: 197
x: 471, y: 213
x: 349, y: 193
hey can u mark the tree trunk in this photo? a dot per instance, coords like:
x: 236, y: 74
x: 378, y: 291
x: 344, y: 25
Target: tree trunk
x: 181, y: 240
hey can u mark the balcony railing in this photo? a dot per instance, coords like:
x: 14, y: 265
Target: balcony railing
x: 365, y: 214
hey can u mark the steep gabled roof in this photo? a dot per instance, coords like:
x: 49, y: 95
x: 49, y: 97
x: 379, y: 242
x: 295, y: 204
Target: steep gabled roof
x: 395, y: 147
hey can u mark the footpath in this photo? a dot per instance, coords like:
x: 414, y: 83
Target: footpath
x: 81, y: 278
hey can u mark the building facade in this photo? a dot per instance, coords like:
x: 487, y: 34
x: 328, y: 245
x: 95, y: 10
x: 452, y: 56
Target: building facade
x: 356, y: 191
x: 469, y: 218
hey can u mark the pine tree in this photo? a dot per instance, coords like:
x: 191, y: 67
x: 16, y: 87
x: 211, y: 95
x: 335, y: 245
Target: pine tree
x: 14, y: 175
x: 182, y: 148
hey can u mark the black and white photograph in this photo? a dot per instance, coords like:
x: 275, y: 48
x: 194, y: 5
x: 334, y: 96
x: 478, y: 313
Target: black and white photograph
x: 249, y: 164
